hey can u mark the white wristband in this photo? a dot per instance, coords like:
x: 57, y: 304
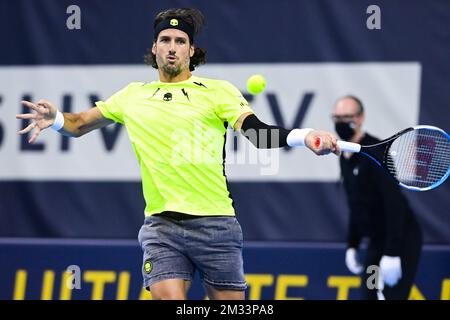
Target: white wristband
x: 59, y: 121
x: 296, y: 138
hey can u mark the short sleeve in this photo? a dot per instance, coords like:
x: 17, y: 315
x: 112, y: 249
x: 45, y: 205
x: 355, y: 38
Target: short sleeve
x: 230, y: 103
x: 113, y: 107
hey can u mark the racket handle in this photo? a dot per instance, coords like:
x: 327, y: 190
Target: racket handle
x: 343, y: 145
x: 349, y: 146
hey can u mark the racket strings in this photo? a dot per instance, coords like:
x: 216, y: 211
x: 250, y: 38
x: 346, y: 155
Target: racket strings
x: 419, y: 158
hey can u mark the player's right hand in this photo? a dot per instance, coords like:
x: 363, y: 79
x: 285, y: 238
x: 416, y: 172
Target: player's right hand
x: 327, y: 143
x: 352, y: 262
x: 42, y: 118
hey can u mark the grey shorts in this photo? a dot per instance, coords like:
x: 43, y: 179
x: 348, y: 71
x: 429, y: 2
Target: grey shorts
x: 175, y: 249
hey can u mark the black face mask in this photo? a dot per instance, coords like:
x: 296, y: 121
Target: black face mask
x: 345, y: 130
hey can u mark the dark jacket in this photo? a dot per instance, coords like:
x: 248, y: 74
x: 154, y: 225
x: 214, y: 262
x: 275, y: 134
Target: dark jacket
x: 378, y: 209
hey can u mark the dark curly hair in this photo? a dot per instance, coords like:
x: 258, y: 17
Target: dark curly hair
x: 195, y: 19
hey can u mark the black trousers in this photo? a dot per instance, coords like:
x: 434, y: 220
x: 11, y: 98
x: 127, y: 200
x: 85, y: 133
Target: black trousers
x: 410, y: 256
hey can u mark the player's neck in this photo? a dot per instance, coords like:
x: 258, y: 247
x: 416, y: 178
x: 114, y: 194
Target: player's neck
x: 164, y: 77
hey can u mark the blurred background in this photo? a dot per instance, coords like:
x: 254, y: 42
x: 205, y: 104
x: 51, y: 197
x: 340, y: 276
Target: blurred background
x: 79, y: 201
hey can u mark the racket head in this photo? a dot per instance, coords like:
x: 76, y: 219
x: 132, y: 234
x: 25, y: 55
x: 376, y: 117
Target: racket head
x: 418, y: 158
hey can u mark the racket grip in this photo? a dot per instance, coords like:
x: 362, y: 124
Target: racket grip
x: 349, y: 146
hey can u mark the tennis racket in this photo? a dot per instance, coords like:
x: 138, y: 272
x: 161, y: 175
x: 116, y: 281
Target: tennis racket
x: 418, y: 158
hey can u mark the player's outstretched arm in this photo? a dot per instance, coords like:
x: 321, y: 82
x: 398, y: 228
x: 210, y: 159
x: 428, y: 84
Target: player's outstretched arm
x: 266, y: 136
x: 46, y: 115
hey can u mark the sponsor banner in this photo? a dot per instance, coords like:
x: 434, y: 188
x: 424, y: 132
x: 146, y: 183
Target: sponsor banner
x: 297, y: 95
x: 110, y: 270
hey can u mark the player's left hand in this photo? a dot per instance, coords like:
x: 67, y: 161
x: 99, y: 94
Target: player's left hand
x: 42, y: 118
x: 322, y: 142
x: 391, y: 270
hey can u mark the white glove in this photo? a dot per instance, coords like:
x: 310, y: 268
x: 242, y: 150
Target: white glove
x: 380, y: 294
x: 351, y: 261
x: 391, y: 270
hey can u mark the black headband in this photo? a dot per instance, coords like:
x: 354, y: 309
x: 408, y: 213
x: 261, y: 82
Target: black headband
x: 174, y: 23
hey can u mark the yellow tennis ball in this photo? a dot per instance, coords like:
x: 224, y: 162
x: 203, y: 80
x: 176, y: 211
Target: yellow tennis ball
x: 256, y: 84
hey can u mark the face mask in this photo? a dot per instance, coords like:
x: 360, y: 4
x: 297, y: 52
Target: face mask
x: 345, y: 130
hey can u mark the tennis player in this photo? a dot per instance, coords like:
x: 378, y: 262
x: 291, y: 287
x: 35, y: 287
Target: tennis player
x: 177, y: 128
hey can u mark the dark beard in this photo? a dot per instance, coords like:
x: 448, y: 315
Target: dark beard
x: 171, y: 71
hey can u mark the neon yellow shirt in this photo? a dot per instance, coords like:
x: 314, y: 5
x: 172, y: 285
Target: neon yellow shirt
x: 177, y: 131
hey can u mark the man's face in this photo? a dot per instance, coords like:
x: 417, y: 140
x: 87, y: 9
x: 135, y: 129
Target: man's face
x: 173, y: 51
x: 347, y: 110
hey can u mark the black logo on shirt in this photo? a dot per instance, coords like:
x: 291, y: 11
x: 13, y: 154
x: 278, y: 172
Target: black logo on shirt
x: 185, y: 94
x: 155, y: 92
x: 167, y: 96
x: 200, y: 84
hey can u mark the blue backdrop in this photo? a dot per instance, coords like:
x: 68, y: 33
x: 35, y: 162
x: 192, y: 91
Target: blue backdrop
x: 119, y: 32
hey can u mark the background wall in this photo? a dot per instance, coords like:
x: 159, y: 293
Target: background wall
x: 311, y: 52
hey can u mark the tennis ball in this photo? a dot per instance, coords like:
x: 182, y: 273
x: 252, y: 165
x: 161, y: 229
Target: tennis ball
x: 256, y: 84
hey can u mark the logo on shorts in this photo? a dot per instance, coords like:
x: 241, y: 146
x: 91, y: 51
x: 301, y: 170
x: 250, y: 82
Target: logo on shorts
x: 148, y: 266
